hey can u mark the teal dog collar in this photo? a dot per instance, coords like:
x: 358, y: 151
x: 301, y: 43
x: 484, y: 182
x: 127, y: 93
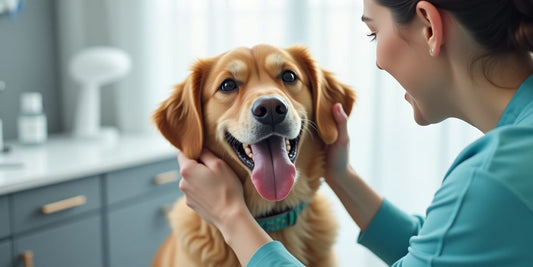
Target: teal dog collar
x: 281, y: 220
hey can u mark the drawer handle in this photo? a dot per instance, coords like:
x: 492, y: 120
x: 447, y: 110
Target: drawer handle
x: 27, y: 258
x: 64, y: 204
x: 166, y: 177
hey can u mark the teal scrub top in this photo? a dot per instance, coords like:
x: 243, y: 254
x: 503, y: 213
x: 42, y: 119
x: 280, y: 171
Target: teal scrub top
x: 482, y: 215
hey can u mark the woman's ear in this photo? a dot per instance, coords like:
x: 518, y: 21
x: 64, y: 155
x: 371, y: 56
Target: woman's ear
x: 433, y: 26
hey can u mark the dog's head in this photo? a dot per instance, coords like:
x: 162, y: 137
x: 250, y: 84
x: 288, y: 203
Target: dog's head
x: 258, y: 109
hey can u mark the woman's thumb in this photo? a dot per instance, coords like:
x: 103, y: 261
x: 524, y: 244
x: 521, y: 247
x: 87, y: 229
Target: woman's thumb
x: 341, y: 119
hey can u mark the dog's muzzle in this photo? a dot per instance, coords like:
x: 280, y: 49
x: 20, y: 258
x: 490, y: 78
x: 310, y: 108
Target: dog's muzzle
x: 272, y: 157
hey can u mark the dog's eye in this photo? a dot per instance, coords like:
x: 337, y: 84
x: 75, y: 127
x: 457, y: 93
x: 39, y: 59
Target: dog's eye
x: 288, y: 76
x: 228, y: 85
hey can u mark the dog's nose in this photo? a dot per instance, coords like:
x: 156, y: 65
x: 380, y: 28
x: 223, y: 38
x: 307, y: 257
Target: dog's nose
x: 269, y: 110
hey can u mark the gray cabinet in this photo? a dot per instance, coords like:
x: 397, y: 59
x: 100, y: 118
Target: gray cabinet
x: 5, y: 229
x: 5, y: 254
x: 136, y: 231
x: 113, y: 219
x: 136, y: 217
x: 58, y: 225
x: 64, y: 201
x: 76, y: 243
x: 156, y: 178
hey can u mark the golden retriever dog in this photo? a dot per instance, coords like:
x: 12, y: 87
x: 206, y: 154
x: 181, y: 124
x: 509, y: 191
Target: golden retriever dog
x: 267, y: 112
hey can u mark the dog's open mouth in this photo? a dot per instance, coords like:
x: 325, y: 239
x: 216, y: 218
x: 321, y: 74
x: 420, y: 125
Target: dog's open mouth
x: 244, y: 151
x: 272, y: 163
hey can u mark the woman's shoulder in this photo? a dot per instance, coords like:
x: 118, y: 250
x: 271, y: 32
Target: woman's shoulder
x: 509, y: 148
x: 504, y: 145
x: 504, y: 155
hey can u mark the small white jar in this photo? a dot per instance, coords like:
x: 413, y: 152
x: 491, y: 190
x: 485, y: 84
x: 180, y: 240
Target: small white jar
x: 32, y: 123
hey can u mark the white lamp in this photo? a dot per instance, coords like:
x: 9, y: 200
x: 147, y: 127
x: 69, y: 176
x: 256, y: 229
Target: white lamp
x: 92, y: 68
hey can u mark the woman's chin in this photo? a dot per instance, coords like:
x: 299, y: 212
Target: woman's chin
x: 419, y: 119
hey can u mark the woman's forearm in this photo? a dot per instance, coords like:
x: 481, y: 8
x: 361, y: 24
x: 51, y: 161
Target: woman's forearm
x: 242, y: 233
x: 361, y: 201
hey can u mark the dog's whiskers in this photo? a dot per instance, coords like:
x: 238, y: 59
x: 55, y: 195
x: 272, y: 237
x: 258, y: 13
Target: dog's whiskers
x: 311, y: 126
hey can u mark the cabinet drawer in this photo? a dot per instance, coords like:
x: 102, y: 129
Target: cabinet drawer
x: 5, y: 254
x: 160, y: 177
x: 136, y: 231
x: 76, y: 243
x: 4, y: 217
x: 51, y: 204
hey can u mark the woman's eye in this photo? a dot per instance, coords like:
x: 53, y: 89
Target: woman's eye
x: 288, y: 76
x: 372, y: 36
x: 228, y: 85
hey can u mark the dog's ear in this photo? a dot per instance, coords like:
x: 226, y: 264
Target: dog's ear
x: 179, y: 117
x: 327, y: 91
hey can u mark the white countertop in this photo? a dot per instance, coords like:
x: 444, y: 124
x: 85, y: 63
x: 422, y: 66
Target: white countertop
x: 63, y: 158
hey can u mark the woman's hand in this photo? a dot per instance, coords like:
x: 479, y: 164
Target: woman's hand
x: 337, y: 166
x: 211, y: 187
x: 214, y: 191
x: 361, y: 202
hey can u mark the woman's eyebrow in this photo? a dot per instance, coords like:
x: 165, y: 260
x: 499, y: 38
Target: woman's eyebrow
x: 365, y: 19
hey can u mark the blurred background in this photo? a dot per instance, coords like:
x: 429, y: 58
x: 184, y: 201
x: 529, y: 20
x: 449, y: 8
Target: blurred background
x: 401, y: 160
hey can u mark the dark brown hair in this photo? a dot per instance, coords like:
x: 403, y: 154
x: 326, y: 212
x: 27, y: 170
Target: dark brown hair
x: 500, y: 26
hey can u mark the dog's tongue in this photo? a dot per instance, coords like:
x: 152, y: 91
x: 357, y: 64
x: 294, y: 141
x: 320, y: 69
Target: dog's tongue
x: 273, y: 173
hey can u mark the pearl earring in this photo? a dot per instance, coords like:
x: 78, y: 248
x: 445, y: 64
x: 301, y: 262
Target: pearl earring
x: 431, y: 51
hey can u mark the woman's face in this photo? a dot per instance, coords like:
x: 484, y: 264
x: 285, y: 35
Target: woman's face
x: 403, y: 52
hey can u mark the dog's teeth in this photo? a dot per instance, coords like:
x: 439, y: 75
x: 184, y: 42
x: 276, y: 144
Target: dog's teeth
x: 287, y: 146
x: 248, y: 151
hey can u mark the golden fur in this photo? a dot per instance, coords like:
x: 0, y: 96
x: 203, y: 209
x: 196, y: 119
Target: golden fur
x: 197, y: 115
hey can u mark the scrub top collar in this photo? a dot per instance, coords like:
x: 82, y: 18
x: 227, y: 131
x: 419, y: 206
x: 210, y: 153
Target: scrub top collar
x: 518, y: 104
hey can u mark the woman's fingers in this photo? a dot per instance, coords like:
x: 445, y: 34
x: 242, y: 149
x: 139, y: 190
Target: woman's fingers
x: 210, y: 186
x: 342, y: 121
x: 181, y: 158
x: 184, y: 161
x: 186, y: 165
x: 210, y: 160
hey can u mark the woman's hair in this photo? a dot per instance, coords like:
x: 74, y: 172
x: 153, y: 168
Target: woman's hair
x: 500, y: 26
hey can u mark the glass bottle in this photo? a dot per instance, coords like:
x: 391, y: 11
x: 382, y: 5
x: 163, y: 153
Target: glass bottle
x: 32, y: 123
